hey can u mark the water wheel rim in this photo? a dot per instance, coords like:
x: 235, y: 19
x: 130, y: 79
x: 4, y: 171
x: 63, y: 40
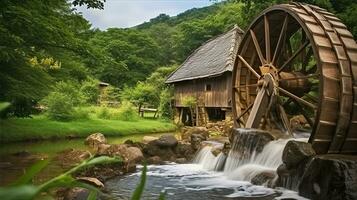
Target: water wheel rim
x: 323, y: 143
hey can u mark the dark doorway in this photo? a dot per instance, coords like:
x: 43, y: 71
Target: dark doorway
x: 216, y: 114
x: 186, y: 118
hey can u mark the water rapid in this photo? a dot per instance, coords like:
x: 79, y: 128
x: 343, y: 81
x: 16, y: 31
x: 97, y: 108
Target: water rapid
x: 251, y: 154
x: 213, y: 174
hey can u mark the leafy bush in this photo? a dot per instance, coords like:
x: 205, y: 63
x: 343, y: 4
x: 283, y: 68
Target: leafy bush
x: 165, y: 108
x: 61, y: 102
x: 72, y: 90
x: 127, y: 112
x: 80, y: 113
x: 104, y: 113
x: 59, y: 106
x: 90, y: 90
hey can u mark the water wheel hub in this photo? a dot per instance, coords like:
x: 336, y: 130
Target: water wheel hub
x: 298, y: 61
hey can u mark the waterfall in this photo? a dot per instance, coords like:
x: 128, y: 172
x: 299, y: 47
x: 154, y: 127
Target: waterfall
x: 208, y: 160
x: 252, y: 153
x: 267, y: 161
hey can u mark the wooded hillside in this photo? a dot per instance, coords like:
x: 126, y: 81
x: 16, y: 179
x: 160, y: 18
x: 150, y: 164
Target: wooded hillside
x: 45, y: 42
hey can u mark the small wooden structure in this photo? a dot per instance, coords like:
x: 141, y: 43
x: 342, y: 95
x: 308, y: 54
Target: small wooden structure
x: 206, y: 76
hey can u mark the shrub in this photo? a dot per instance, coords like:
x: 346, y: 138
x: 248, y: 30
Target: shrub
x: 61, y: 102
x: 165, y: 108
x: 127, y: 112
x: 104, y: 113
x: 80, y: 113
x: 90, y: 90
x: 72, y: 90
x: 60, y: 106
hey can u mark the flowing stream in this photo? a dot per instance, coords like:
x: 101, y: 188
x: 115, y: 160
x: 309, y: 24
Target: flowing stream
x: 212, y: 177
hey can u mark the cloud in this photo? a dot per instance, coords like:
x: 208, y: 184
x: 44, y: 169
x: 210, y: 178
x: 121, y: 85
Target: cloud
x: 128, y: 13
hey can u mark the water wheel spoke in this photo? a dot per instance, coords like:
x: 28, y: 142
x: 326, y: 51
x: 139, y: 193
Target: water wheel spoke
x: 257, y: 47
x: 300, y: 77
x: 245, y: 111
x: 315, y: 99
x: 304, y: 113
x: 248, y: 66
x: 285, y: 119
x: 248, y: 85
x: 300, y: 100
x: 297, y: 52
x: 267, y: 38
x: 280, y: 40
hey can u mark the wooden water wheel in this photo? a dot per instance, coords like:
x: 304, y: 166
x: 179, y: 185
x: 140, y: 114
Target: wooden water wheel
x: 298, y: 61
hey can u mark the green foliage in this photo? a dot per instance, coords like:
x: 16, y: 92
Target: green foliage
x: 23, y: 190
x: 61, y: 102
x: 140, y: 188
x: 141, y: 94
x: 189, y: 101
x: 90, y: 90
x: 165, y: 107
x: 59, y: 106
x: 126, y: 112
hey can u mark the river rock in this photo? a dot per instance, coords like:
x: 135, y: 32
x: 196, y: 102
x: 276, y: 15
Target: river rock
x: 187, y: 132
x: 264, y: 178
x: 196, y: 140
x: 152, y: 149
x: 296, y: 152
x: 102, y: 148
x: 181, y: 160
x: 129, y: 154
x: 184, y: 150
x: 167, y: 140
x: 95, y: 139
x: 76, y: 193
x: 154, y: 160
x: 92, y: 181
x: 147, y: 139
x: 256, y: 139
x: 330, y: 177
x: 71, y: 157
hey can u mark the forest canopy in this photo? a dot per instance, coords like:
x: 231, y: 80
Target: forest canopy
x: 47, y: 42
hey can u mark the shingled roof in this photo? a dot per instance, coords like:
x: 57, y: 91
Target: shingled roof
x: 213, y: 58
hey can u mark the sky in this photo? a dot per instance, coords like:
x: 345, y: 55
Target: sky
x: 128, y: 13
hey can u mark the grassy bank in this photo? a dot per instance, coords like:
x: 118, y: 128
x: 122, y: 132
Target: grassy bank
x: 40, y: 127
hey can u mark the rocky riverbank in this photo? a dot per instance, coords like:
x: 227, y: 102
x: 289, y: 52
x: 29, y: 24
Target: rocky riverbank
x: 151, y: 150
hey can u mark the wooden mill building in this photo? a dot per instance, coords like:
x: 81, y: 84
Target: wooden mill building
x: 206, y: 77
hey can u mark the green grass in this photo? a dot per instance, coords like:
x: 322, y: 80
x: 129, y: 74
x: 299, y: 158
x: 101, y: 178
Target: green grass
x: 39, y: 127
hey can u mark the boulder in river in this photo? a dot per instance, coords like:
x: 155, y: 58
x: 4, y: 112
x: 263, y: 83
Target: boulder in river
x: 184, y: 150
x: 186, y: 132
x: 147, y: 139
x: 167, y: 140
x: 330, y: 177
x: 95, y: 139
x: 152, y: 149
x: 76, y: 193
x: 129, y: 154
x: 196, y: 140
x: 71, y: 157
x: 154, y: 160
x: 296, y: 152
x: 264, y: 178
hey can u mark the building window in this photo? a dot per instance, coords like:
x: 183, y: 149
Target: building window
x: 208, y: 87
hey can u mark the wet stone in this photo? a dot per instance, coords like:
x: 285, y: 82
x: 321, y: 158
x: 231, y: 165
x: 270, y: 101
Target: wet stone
x: 330, y: 177
x: 296, y: 152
